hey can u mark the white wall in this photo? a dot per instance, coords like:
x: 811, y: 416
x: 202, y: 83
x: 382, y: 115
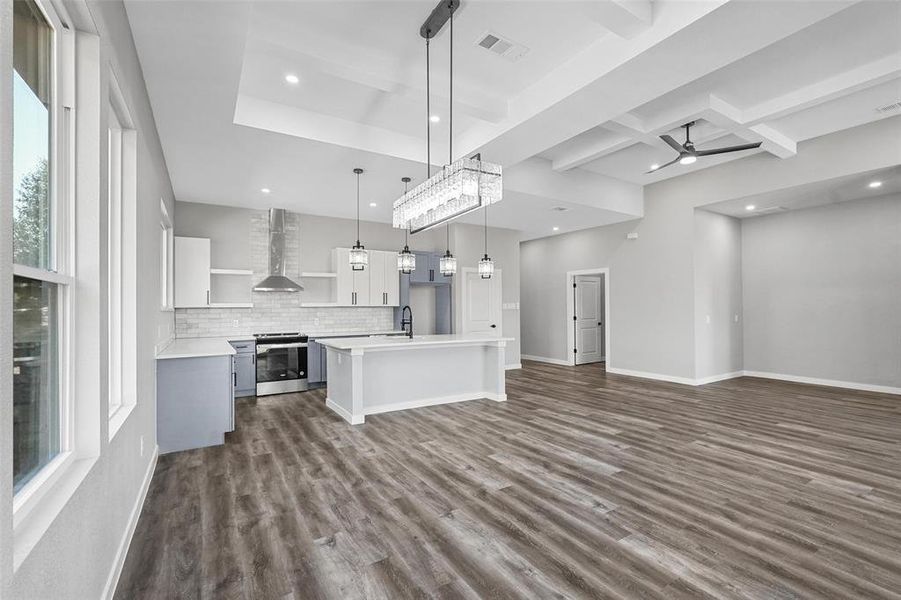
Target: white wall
x: 718, y: 300
x: 822, y: 292
x: 75, y: 556
x: 652, y: 283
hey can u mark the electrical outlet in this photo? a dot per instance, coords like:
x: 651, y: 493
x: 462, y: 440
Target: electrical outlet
x: 708, y: 319
x: 316, y: 321
x: 142, y: 446
x: 236, y: 323
x: 735, y: 318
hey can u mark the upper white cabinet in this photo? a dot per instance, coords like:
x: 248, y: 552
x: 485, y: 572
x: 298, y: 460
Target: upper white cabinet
x: 384, y: 280
x: 376, y: 285
x: 192, y: 272
x: 352, y: 287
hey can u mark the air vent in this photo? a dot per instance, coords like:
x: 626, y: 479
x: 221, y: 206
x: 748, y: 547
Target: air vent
x: 560, y: 209
x: 501, y: 46
x: 889, y: 108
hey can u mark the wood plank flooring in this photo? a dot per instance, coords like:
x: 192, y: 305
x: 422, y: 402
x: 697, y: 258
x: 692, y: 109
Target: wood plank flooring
x: 582, y: 485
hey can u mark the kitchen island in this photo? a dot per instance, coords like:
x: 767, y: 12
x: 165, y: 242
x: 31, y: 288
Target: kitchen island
x: 371, y: 375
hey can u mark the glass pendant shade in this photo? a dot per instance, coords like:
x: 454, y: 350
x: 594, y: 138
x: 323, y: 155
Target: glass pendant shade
x: 457, y: 189
x: 359, y: 257
x: 447, y: 265
x: 406, y: 261
x: 486, y: 267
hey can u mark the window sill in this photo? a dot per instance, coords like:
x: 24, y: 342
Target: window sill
x: 36, y: 506
x: 118, y: 418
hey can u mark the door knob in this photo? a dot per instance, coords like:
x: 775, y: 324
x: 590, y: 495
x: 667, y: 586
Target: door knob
x: 493, y: 326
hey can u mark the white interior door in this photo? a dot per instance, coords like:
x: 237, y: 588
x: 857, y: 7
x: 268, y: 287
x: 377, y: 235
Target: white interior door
x: 481, y: 303
x: 589, y: 321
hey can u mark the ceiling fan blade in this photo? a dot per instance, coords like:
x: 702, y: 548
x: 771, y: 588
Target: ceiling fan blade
x: 675, y: 160
x: 728, y: 149
x: 672, y: 143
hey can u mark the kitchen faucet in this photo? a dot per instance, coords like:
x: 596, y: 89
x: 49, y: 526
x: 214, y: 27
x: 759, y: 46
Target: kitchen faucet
x: 404, y: 321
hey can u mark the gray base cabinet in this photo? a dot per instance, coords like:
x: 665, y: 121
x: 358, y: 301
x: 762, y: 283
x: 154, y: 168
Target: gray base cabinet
x: 245, y: 379
x: 195, y: 402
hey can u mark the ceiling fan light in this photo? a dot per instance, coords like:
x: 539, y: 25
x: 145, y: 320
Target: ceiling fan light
x: 688, y: 159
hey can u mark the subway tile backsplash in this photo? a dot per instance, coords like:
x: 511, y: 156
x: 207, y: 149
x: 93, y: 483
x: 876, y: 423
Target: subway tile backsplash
x: 209, y: 322
x: 278, y: 311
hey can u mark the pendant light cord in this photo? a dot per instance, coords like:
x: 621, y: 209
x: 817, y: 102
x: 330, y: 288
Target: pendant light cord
x: 450, y: 110
x: 428, y: 113
x: 358, y: 209
x: 407, y: 230
x: 486, y: 230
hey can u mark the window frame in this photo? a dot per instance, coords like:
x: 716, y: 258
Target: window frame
x: 61, y: 154
x: 121, y: 168
x: 167, y: 260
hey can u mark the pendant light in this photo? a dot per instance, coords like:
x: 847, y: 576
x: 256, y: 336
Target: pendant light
x: 486, y: 265
x: 448, y: 263
x: 406, y: 260
x: 359, y: 258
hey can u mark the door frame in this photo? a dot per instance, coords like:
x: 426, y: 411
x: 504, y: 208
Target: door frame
x: 463, y: 272
x: 604, y: 273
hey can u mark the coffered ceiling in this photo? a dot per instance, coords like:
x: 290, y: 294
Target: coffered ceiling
x: 574, y: 118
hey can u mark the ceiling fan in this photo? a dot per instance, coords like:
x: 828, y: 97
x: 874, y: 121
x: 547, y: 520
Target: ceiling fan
x: 687, y: 152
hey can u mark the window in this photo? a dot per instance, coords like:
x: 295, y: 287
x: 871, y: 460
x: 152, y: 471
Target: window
x: 121, y: 253
x: 167, y: 242
x: 41, y: 282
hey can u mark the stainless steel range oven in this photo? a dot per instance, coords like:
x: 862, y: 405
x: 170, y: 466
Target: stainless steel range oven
x: 281, y: 363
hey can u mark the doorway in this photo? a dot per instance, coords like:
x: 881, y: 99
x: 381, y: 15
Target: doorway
x: 481, y: 300
x: 588, y: 313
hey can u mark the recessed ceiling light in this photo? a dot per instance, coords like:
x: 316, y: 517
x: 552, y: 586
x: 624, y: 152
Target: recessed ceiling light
x: 373, y: 204
x: 654, y: 167
x: 292, y: 78
x: 875, y: 184
x: 750, y: 207
x: 556, y: 229
x: 687, y: 160
x: 265, y: 190
x: 434, y: 118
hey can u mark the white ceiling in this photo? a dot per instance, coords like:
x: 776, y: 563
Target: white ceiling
x: 575, y: 121
x: 829, y: 191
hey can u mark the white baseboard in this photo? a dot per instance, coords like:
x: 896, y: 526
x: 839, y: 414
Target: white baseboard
x: 654, y: 376
x: 720, y: 377
x: 544, y: 359
x: 513, y: 366
x: 112, y: 581
x: 851, y: 385
x: 435, y: 402
x: 344, y: 414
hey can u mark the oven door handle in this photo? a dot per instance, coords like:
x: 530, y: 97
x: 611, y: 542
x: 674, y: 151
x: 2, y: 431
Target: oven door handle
x: 263, y: 348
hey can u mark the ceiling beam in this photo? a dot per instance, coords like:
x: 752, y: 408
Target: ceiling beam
x: 625, y: 18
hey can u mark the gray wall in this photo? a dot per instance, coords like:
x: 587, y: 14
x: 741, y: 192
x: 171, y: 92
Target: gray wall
x: 718, y: 299
x: 822, y: 292
x: 73, y: 559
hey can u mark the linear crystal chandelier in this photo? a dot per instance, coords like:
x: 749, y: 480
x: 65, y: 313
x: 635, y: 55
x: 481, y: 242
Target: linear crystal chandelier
x: 463, y: 185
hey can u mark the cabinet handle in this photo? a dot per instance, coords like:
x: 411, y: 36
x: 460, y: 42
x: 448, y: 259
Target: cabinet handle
x: 431, y: 274
x: 235, y: 379
x: 208, y: 297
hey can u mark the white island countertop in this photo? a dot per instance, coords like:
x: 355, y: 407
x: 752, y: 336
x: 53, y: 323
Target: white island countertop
x: 196, y: 348
x: 402, y: 342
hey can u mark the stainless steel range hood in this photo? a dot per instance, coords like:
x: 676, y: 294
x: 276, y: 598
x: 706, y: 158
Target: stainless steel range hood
x: 277, y: 282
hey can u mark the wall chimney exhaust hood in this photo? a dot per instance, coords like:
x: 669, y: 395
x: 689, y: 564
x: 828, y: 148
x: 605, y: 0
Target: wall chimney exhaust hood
x: 277, y: 282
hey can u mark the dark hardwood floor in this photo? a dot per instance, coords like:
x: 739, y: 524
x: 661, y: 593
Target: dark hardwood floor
x: 582, y: 485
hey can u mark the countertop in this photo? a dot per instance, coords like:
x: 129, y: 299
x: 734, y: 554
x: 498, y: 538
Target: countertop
x: 399, y: 343
x: 197, y: 347
x: 332, y: 334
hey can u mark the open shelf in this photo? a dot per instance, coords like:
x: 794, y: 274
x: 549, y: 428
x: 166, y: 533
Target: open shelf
x: 231, y: 272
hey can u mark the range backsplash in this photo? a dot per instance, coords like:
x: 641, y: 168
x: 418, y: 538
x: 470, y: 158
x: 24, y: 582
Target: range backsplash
x: 277, y: 311
x: 208, y: 322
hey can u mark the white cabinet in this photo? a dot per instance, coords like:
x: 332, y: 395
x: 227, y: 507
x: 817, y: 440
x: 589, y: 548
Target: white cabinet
x: 192, y: 272
x: 384, y: 280
x: 352, y: 287
x: 376, y: 285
